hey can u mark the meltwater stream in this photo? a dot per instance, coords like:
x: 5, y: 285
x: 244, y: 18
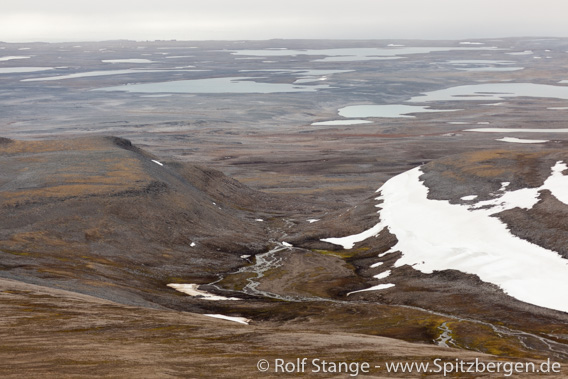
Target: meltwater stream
x: 446, y: 336
x: 273, y: 259
x: 264, y: 262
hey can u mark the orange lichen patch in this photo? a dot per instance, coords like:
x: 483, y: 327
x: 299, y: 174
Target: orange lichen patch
x: 485, y: 171
x: 483, y: 156
x: 491, y: 164
x: 56, y: 272
x: 127, y: 170
x: 491, y: 156
x: 37, y: 238
x: 19, y: 147
x: 71, y: 190
x: 479, y: 163
x: 119, y: 173
x: 72, y: 174
x: 41, y: 244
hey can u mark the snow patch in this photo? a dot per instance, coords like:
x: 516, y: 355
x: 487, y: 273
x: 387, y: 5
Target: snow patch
x: 557, y: 182
x: 156, y: 162
x: 193, y: 290
x: 383, y: 274
x: 521, y: 140
x: 341, y: 122
x: 469, y: 197
x: 127, y: 60
x: 526, y: 52
x: 240, y: 320
x: 517, y: 130
x: 350, y: 241
x: 374, y: 288
x: 12, y: 57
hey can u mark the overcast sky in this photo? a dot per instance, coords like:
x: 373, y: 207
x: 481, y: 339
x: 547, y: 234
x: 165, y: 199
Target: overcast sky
x: 79, y: 20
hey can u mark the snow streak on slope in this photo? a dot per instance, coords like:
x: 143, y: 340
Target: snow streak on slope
x: 240, y: 320
x: 436, y: 235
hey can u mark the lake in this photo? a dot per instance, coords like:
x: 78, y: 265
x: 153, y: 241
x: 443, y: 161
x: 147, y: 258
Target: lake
x: 387, y: 110
x: 215, y: 86
x: 354, y: 54
x: 493, y: 91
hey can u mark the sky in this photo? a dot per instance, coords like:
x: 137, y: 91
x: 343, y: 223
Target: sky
x: 95, y: 20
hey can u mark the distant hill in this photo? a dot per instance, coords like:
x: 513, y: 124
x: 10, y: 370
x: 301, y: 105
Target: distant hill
x: 101, y: 216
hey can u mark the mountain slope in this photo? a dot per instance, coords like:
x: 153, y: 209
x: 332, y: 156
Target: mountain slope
x: 101, y: 216
x: 70, y: 335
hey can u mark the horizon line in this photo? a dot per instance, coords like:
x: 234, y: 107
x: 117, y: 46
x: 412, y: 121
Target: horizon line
x: 283, y: 39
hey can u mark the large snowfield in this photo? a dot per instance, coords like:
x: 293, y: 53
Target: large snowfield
x: 436, y: 235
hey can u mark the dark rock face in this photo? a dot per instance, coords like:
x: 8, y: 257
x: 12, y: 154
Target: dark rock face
x: 544, y: 225
x: 483, y: 172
